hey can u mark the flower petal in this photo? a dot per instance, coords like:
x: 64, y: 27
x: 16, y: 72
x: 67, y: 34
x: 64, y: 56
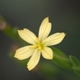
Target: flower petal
x: 47, y: 53
x: 54, y: 39
x: 44, y: 29
x: 34, y: 60
x: 23, y: 53
x: 27, y: 35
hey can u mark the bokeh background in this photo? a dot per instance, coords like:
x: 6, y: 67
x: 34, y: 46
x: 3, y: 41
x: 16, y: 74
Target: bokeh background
x: 64, y: 16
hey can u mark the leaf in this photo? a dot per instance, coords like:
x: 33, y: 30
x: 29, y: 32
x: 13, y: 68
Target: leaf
x: 76, y: 70
x: 61, y: 59
x: 11, y: 32
x: 76, y: 65
x: 75, y: 62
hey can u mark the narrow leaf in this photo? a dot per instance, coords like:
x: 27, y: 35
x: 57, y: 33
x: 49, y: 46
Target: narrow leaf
x: 75, y: 62
x: 76, y: 65
x: 76, y: 70
x: 61, y: 59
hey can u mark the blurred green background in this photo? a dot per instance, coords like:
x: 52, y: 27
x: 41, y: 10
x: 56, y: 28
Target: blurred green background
x: 64, y: 16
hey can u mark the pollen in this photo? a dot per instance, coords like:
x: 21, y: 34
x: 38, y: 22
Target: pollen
x: 38, y: 45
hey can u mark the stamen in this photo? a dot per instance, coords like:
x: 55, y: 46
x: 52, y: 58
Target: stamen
x: 33, y: 46
x: 37, y: 45
x: 40, y: 48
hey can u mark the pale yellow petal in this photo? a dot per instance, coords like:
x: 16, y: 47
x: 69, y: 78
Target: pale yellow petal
x: 44, y: 29
x: 47, y: 53
x: 34, y: 60
x: 23, y: 53
x: 27, y: 35
x: 54, y: 39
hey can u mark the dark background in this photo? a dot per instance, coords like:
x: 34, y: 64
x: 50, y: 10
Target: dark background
x: 64, y: 16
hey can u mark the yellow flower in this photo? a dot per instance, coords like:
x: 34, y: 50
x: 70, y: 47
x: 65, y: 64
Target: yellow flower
x: 38, y: 45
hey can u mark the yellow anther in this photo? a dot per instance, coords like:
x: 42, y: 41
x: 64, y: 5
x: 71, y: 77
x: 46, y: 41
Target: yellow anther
x: 40, y: 48
x: 33, y: 46
x: 37, y: 45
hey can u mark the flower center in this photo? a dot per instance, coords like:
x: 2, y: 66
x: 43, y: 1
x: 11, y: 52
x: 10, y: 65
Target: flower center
x: 38, y: 45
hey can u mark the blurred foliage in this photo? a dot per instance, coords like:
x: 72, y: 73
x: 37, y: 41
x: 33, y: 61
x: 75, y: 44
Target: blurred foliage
x: 11, y: 32
x: 76, y: 65
x: 61, y: 59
